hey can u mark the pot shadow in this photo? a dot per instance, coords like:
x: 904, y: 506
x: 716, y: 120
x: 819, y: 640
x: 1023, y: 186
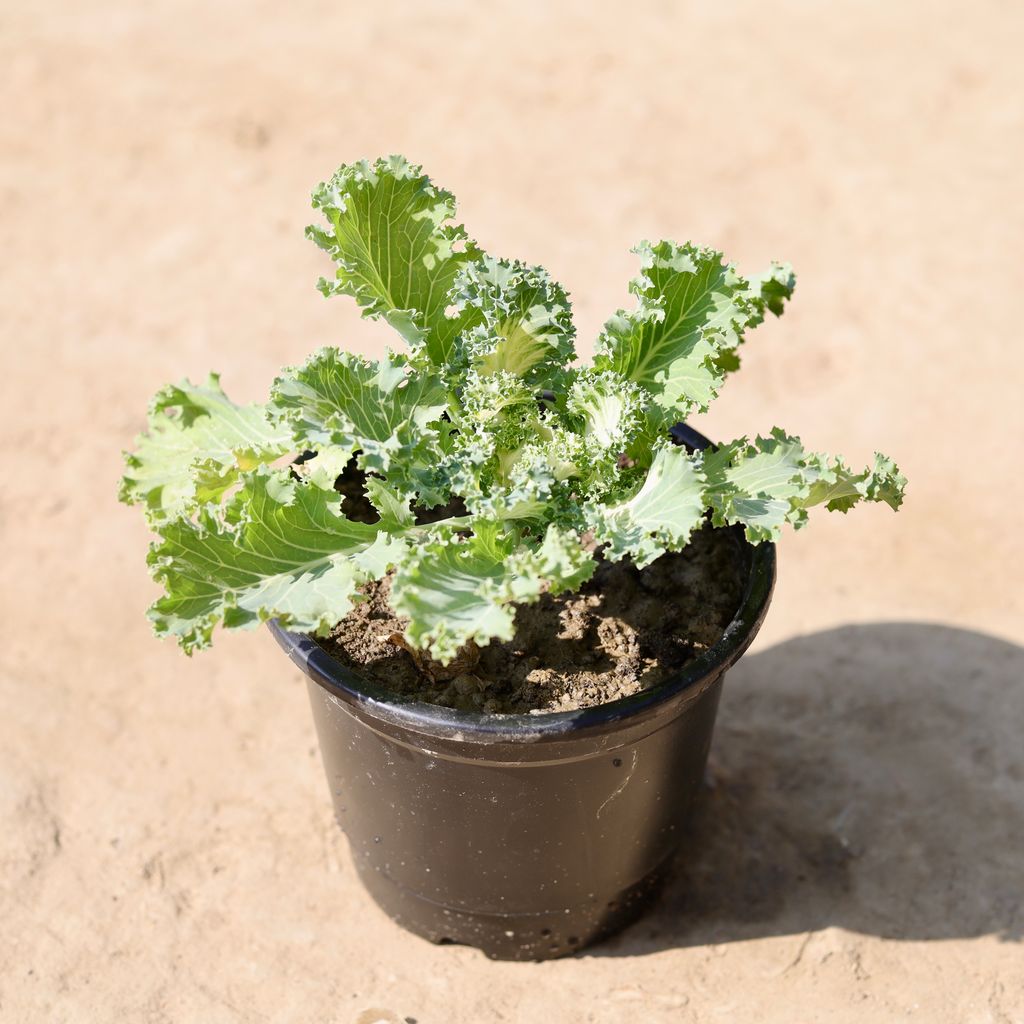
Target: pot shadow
x: 868, y: 777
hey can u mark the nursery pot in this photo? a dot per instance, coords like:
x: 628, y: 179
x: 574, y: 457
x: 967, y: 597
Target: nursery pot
x: 527, y: 836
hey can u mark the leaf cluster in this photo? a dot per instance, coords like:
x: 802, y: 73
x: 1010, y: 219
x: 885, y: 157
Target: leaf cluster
x: 486, y: 408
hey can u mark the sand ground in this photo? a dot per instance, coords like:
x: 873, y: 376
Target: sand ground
x: 167, y: 848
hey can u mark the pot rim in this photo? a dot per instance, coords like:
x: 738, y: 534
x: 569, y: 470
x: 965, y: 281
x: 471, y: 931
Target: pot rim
x: 434, y: 720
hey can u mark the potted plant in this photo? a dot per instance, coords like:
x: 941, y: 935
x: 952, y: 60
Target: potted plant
x: 514, y: 582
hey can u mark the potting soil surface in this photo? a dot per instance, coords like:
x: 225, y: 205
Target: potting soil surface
x: 625, y: 630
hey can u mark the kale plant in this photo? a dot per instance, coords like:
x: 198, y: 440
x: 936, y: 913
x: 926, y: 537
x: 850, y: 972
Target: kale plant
x: 486, y: 410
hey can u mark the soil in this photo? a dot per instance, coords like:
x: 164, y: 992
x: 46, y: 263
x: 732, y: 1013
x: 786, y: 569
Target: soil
x: 625, y: 630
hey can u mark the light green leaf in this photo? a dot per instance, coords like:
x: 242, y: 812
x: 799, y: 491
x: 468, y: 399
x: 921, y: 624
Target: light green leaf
x: 380, y: 409
x: 454, y: 590
x: 660, y: 517
x: 559, y: 564
x: 693, y: 308
x: 692, y: 305
x: 451, y: 590
x: 197, y: 444
x: 490, y: 401
x: 392, y: 505
x: 883, y: 482
x: 610, y: 409
x: 773, y: 481
x: 837, y: 487
x: 284, y: 551
x: 499, y: 419
x: 323, y: 467
x: 388, y: 230
x: 768, y: 292
x: 525, y: 495
x: 771, y: 290
x: 515, y: 319
x: 773, y: 465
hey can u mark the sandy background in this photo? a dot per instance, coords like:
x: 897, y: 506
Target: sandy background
x: 166, y: 842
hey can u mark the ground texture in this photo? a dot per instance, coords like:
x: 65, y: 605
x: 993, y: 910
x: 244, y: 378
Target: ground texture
x: 167, y: 851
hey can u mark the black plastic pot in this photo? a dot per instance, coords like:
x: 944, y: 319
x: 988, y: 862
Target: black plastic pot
x: 528, y: 836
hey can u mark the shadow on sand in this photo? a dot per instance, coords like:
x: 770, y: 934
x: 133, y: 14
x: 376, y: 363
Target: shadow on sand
x: 869, y: 777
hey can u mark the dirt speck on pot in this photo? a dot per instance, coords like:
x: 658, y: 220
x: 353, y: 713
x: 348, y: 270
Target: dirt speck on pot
x: 624, y: 631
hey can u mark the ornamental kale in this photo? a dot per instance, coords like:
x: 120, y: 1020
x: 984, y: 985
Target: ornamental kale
x: 485, y: 412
